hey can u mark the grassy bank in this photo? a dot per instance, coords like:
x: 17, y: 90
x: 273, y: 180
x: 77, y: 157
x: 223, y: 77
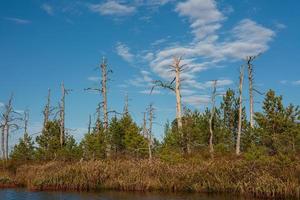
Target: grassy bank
x: 269, y: 178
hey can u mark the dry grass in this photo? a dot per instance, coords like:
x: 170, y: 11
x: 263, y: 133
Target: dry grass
x: 261, y: 179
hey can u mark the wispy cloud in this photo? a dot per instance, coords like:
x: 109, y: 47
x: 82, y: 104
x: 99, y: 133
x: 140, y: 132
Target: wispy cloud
x: 124, y: 52
x: 196, y: 100
x: 93, y: 78
x: 1, y: 104
x: 280, y: 25
x: 18, y: 20
x: 112, y: 8
x: 287, y: 82
x: 296, y: 82
x: 207, y: 50
x: 48, y: 9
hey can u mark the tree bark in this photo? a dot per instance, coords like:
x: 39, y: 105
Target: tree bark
x: 47, y: 110
x: 62, y: 115
x: 238, y: 140
x: 3, y: 140
x: 103, y: 67
x: 250, y: 77
x: 151, y: 116
x: 6, y: 142
x: 213, y: 99
x: 89, y: 126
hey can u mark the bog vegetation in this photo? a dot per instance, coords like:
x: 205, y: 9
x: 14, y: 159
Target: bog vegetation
x: 218, y: 150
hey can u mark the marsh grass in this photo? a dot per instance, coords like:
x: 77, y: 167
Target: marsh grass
x: 269, y: 178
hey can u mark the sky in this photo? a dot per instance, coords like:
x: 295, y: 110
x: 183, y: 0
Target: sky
x: 43, y: 43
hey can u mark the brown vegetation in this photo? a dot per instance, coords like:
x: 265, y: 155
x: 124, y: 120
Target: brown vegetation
x: 271, y: 177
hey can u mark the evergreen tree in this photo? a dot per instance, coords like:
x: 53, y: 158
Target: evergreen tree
x: 93, y: 144
x: 49, y: 146
x: 24, y: 150
x: 117, y: 136
x: 278, y: 129
x: 135, y: 143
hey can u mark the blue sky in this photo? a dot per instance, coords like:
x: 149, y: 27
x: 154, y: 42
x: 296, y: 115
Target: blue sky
x: 43, y: 43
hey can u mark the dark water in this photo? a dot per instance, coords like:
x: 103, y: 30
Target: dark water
x: 23, y: 194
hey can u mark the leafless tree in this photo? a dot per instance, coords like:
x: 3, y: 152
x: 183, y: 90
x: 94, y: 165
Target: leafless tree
x: 90, y: 124
x: 126, y: 105
x: 47, y: 110
x: 238, y: 140
x: 249, y: 61
x: 26, y: 121
x: 64, y: 91
x: 149, y: 132
x: 103, y: 90
x: 9, y: 121
x: 177, y: 68
x: 212, y: 114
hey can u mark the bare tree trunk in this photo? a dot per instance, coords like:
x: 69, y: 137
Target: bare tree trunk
x: 250, y: 77
x: 213, y: 101
x: 105, y: 112
x: 126, y: 109
x: 178, y: 68
x: 177, y: 92
x: 26, y: 120
x: 150, y: 142
x: 3, y: 140
x: 8, y: 119
x: 238, y: 140
x: 62, y: 115
x: 98, y: 120
x: 90, y: 123
x: 6, y: 142
x: 46, y: 111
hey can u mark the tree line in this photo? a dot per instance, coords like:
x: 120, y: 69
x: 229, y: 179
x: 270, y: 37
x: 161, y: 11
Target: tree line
x: 222, y: 129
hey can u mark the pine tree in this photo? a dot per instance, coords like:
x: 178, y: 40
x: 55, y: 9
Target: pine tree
x: 24, y: 150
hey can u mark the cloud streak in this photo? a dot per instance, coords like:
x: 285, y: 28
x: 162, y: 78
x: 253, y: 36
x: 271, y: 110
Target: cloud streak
x: 124, y: 52
x: 48, y: 9
x: 112, y: 8
x: 18, y: 20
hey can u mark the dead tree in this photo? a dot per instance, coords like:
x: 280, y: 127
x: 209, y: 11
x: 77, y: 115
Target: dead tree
x: 249, y: 60
x: 47, y: 110
x: 149, y: 132
x: 90, y: 124
x: 126, y: 105
x: 9, y: 121
x: 26, y: 121
x: 212, y: 114
x: 238, y: 139
x: 64, y: 92
x: 177, y: 68
x: 103, y: 91
x: 98, y: 117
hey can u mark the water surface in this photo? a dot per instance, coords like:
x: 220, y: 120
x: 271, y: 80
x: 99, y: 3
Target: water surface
x: 23, y: 194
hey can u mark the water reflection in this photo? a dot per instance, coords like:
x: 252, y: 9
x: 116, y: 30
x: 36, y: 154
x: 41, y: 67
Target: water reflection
x: 22, y: 194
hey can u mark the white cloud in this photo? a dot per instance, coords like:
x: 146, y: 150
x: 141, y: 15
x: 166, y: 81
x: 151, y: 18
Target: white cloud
x: 1, y: 104
x: 286, y: 82
x: 48, y: 9
x: 150, y: 92
x: 143, y: 80
x: 296, y: 82
x: 207, y: 50
x: 196, y: 100
x: 94, y: 78
x: 112, y: 8
x: 18, y: 20
x: 124, y: 52
x: 204, y: 16
x: 280, y: 25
